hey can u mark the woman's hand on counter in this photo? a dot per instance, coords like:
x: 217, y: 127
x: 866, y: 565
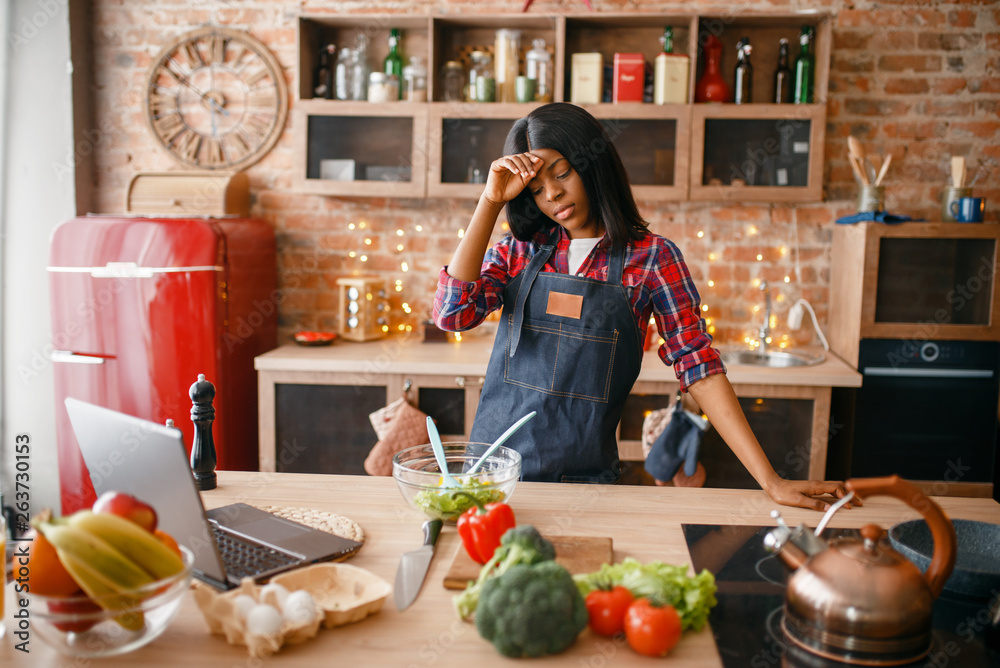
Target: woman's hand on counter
x: 807, y: 493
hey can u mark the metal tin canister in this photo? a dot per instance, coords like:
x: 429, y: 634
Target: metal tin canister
x: 948, y: 195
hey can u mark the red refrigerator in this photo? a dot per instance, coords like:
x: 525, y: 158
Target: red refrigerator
x: 140, y: 307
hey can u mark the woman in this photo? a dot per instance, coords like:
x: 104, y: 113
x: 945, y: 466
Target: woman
x: 578, y: 281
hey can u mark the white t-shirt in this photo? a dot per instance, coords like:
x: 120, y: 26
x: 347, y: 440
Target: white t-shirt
x: 579, y: 249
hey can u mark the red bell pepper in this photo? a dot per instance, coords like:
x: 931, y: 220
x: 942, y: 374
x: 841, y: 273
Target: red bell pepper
x: 481, y: 528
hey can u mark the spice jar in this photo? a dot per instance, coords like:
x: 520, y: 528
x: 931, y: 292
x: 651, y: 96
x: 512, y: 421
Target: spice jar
x: 538, y: 66
x: 482, y: 84
x: 453, y: 80
x: 415, y: 80
x: 382, y: 87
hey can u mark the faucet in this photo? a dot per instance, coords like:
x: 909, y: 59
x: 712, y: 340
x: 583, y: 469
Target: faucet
x: 764, y: 333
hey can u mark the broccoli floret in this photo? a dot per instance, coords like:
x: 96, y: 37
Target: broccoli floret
x: 520, y: 545
x: 531, y: 610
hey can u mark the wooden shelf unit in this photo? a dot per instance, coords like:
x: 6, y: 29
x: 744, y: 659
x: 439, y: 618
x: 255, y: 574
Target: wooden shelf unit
x: 685, y: 129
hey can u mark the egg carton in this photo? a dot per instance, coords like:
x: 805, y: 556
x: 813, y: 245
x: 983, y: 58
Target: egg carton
x: 343, y: 594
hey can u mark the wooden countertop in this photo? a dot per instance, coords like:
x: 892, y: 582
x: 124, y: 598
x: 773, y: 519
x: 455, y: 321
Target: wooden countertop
x: 469, y: 357
x: 429, y: 633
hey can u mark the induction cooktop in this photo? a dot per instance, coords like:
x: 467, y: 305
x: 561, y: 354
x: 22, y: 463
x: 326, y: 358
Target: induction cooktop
x: 746, y: 622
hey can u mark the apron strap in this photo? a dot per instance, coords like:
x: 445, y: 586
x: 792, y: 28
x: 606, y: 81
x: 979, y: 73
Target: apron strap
x: 542, y: 256
x: 616, y: 266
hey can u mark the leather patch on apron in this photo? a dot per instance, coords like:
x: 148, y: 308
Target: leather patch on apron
x: 565, y: 305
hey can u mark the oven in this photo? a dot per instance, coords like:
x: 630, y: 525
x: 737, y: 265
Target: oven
x: 927, y: 411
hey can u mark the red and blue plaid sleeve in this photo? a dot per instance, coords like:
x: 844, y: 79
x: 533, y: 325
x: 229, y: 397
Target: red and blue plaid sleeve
x: 462, y: 305
x: 687, y: 345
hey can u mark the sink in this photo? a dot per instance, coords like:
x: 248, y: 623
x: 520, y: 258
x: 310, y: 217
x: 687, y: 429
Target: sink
x: 776, y: 359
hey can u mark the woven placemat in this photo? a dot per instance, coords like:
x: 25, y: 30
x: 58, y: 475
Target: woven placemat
x: 338, y: 525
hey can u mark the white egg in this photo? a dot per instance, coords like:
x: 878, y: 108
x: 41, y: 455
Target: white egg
x: 273, y: 594
x: 264, y: 620
x: 300, y: 607
x: 243, y: 604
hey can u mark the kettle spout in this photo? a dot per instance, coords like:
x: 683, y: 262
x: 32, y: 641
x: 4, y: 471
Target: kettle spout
x: 792, y: 547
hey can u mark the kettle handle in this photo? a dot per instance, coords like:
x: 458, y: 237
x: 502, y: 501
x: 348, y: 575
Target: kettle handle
x: 942, y: 530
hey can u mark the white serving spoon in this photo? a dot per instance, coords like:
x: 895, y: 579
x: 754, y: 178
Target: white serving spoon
x: 497, y: 443
x: 446, y: 479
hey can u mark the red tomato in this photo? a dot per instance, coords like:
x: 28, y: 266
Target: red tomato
x: 651, y: 630
x: 607, y: 608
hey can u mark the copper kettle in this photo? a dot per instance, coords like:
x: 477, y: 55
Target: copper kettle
x: 859, y: 601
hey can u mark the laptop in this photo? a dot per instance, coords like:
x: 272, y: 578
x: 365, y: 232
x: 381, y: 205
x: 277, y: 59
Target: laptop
x: 147, y: 460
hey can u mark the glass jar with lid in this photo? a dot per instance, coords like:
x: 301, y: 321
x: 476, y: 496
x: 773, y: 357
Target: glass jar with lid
x: 415, y: 80
x: 507, y: 63
x: 382, y: 87
x: 482, y: 84
x: 538, y: 66
x: 453, y: 81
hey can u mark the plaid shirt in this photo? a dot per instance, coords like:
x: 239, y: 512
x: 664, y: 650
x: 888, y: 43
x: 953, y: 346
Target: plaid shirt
x: 655, y: 277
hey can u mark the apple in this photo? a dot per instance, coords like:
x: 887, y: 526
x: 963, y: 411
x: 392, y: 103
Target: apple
x: 78, y: 605
x: 129, y: 507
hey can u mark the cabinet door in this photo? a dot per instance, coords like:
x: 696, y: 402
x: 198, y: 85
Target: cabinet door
x: 361, y: 149
x: 324, y: 428
x: 758, y: 152
x: 450, y: 400
x: 463, y: 140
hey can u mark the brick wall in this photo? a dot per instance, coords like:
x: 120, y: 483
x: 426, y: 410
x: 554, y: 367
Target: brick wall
x: 919, y: 83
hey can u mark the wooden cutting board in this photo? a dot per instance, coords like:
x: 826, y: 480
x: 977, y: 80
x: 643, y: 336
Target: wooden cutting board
x: 579, y: 554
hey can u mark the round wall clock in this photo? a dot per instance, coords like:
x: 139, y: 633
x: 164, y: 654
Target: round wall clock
x: 216, y: 99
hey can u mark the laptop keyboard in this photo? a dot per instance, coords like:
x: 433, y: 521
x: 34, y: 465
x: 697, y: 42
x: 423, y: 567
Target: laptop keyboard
x: 245, y: 559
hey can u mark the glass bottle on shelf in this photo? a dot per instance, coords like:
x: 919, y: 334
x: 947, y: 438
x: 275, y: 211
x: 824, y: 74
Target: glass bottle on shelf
x: 453, y: 81
x: 323, y: 77
x: 712, y: 86
x: 393, y: 63
x: 474, y: 172
x: 415, y: 80
x: 482, y: 83
x: 507, y: 64
x: 345, y: 74
x: 538, y: 66
x: 782, y: 75
x: 359, y: 76
x: 805, y: 68
x: 743, y: 82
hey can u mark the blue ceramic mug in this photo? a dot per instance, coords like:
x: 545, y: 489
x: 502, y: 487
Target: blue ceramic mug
x: 968, y: 209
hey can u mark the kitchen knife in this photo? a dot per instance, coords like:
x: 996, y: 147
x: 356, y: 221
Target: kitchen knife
x: 413, y: 567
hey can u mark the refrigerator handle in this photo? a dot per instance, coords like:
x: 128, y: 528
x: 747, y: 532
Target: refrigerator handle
x: 75, y: 358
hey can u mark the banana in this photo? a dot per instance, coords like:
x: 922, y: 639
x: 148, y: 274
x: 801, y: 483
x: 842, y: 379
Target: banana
x: 105, y: 562
x: 105, y: 574
x: 132, y: 540
x: 132, y: 617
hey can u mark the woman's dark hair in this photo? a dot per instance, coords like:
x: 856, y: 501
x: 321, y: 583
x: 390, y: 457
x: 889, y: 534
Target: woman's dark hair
x: 582, y: 140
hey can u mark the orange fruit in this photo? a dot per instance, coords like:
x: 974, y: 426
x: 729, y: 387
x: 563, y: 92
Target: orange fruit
x: 169, y: 541
x: 46, y: 574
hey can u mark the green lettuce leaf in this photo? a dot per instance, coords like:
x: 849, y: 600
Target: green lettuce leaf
x: 692, y: 597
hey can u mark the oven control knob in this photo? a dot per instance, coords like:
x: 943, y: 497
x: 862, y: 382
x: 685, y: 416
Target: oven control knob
x: 929, y: 351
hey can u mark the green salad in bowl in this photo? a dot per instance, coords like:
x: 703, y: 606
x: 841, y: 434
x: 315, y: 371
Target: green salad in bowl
x: 420, y: 481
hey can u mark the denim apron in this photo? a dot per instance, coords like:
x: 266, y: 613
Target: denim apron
x: 567, y: 347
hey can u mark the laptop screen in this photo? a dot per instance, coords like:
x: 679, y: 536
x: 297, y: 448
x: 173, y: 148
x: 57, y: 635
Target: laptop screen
x: 127, y: 454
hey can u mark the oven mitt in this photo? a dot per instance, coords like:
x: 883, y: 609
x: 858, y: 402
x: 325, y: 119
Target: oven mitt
x: 678, y: 444
x: 407, y: 427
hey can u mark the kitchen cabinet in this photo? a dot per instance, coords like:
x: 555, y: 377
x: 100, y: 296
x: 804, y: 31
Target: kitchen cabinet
x: 915, y: 281
x: 788, y: 408
x: 746, y: 152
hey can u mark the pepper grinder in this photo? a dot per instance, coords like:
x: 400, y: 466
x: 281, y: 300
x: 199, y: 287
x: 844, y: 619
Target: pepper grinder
x: 203, y: 447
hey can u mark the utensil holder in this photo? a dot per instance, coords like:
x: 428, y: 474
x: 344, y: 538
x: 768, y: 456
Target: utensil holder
x: 949, y: 195
x: 871, y: 198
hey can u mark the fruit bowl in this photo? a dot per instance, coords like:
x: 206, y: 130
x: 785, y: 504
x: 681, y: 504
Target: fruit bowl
x: 419, y: 478
x: 78, y: 626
